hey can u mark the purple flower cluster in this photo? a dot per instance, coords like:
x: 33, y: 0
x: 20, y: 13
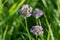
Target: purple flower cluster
x: 37, y: 13
x: 37, y: 30
x: 25, y: 11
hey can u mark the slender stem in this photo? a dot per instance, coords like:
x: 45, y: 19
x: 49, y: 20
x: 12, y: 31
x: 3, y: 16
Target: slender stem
x: 27, y: 29
x: 40, y: 25
x: 39, y: 22
x: 48, y: 36
x: 4, y: 35
x: 36, y: 24
x: 36, y: 21
x: 49, y: 27
x: 1, y: 33
x: 22, y: 25
x: 36, y: 37
x: 44, y: 2
x: 41, y: 37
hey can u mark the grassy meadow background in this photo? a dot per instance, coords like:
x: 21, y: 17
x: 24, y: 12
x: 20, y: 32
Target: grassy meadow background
x: 12, y: 25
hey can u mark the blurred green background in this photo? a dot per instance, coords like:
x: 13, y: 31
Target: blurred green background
x: 12, y: 25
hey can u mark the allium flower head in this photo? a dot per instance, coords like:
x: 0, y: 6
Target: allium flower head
x: 25, y: 11
x: 37, y: 13
x: 37, y: 30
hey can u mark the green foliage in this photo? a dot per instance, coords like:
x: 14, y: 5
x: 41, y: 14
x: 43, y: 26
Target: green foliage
x: 13, y: 27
